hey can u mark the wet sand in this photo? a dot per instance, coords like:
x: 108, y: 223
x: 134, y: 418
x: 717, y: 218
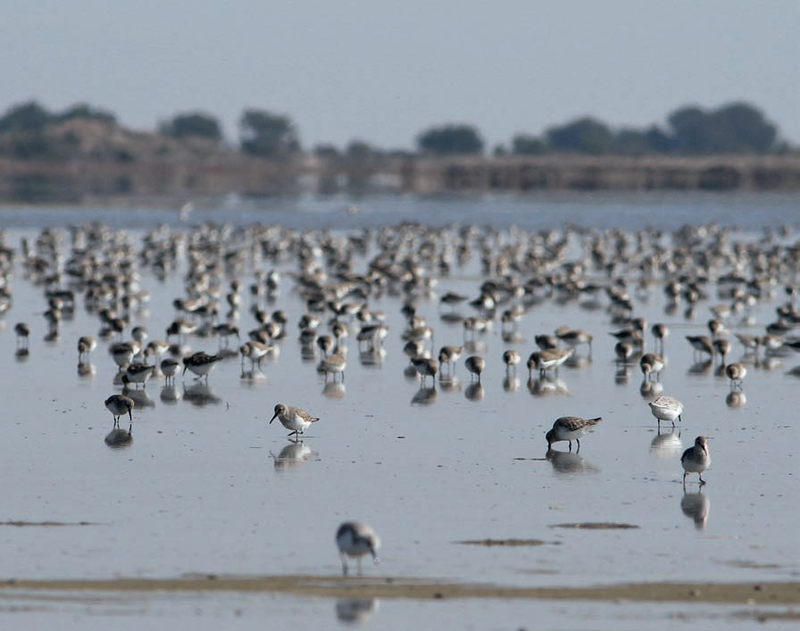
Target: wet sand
x: 766, y: 593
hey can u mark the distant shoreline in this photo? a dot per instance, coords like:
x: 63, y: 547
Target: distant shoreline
x: 213, y: 179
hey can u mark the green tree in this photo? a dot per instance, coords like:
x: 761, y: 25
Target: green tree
x: 450, y: 140
x: 30, y: 117
x: 585, y: 135
x: 630, y: 142
x: 733, y: 128
x: 192, y: 125
x: 269, y: 135
x: 527, y: 145
x: 85, y: 112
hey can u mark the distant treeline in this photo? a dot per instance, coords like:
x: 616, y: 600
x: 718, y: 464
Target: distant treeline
x: 736, y: 128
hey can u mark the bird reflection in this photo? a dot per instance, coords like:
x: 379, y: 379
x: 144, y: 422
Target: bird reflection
x: 511, y: 383
x: 578, y: 361
x: 409, y: 372
x: 170, y: 394
x: 372, y: 357
x: 735, y: 399
x: 621, y: 376
x: 119, y: 437
x: 512, y: 337
x: 334, y: 390
x: 86, y: 369
x: 475, y: 346
x: 250, y: 377
x: 22, y: 354
x: 546, y: 386
x: 650, y: 389
x: 667, y: 444
x: 424, y: 396
x: 355, y: 610
x: 565, y: 462
x: 140, y: 398
x: 293, y: 455
x: 474, y: 391
x: 696, y: 506
x: 449, y: 384
x: 700, y: 368
x: 200, y: 394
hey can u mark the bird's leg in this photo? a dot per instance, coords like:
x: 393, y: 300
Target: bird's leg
x: 578, y: 440
x: 344, y: 564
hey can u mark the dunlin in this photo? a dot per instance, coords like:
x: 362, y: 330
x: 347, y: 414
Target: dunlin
x: 651, y: 364
x: 736, y: 372
x: 475, y: 365
x: 511, y: 358
x: 356, y: 539
x: 570, y: 428
x: 334, y: 364
x: 426, y: 367
x: 293, y: 418
x: 138, y: 373
x: 119, y: 404
x: 545, y: 360
x: 169, y: 367
x: 200, y: 363
x: 696, y: 459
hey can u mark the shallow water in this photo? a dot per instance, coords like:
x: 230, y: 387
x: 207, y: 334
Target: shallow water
x: 208, y: 486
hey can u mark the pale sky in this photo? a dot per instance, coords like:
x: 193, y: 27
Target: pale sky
x: 384, y: 71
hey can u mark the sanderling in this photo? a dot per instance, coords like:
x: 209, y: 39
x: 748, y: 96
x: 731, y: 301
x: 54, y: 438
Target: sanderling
x: 570, y: 428
x: 355, y: 539
x: 696, y: 459
x: 666, y: 408
x: 295, y: 419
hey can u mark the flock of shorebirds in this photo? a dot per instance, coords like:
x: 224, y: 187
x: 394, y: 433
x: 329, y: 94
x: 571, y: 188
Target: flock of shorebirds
x: 338, y: 277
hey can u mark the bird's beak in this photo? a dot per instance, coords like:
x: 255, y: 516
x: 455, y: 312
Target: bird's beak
x: 185, y: 366
x: 273, y: 418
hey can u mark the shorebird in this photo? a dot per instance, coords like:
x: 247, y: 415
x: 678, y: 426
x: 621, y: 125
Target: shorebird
x: 86, y: 344
x: 545, y: 342
x: 23, y: 331
x: 138, y: 373
x: 426, y: 367
x: 573, y: 337
x: 355, y: 539
x: 169, y: 367
x: 295, y: 419
x: 200, y: 363
x: 450, y: 355
x: 570, y: 428
x: 623, y: 351
x: 545, y: 360
x: 255, y: 352
x: 475, y: 365
x: 736, y: 372
x: 334, y: 363
x: 650, y: 363
x: 701, y: 343
x: 660, y: 332
x: 666, y: 408
x: 696, y: 459
x: 119, y: 404
x: 511, y: 358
